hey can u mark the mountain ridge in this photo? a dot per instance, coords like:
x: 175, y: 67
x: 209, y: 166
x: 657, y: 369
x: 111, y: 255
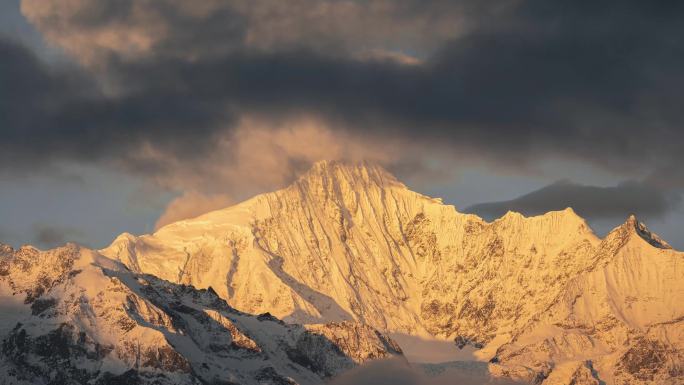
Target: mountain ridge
x: 80, y: 317
x: 350, y: 242
x: 542, y: 298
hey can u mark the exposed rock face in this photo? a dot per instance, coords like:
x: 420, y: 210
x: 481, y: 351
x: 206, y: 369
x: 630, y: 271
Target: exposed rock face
x: 73, y: 316
x: 352, y: 243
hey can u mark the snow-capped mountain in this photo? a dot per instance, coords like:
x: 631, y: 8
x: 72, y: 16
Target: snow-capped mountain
x: 623, y: 319
x: 543, y: 297
x: 72, y: 316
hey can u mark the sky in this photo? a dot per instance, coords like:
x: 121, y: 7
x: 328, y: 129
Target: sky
x: 122, y: 115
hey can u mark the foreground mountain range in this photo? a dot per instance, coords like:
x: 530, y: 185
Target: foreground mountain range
x: 72, y: 316
x: 352, y: 250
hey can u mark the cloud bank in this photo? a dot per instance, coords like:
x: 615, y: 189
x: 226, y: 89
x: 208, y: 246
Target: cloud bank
x: 520, y: 79
x: 169, y: 89
x: 591, y: 202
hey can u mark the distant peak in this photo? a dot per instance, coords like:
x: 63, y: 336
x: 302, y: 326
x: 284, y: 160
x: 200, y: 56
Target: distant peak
x: 567, y: 214
x: 123, y: 237
x: 510, y: 215
x: 632, y: 219
x: 632, y: 224
x: 569, y: 211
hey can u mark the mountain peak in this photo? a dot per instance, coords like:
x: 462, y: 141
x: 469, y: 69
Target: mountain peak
x: 565, y: 215
x: 337, y: 173
x: 633, y: 226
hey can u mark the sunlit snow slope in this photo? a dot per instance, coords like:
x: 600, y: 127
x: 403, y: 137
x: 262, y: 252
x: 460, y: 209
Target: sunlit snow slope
x: 350, y: 242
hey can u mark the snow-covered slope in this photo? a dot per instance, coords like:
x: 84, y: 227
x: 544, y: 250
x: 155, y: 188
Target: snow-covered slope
x: 73, y: 316
x: 350, y: 242
x: 623, y: 319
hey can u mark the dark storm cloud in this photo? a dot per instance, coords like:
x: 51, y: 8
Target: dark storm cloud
x: 595, y: 80
x: 57, y: 114
x: 591, y: 202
